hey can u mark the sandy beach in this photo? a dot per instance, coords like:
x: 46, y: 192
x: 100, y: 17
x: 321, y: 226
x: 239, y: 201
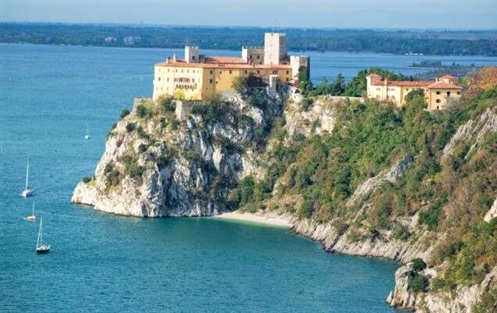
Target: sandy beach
x: 253, y: 218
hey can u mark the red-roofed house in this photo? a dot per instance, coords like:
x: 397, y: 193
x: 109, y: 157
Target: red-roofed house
x: 439, y: 92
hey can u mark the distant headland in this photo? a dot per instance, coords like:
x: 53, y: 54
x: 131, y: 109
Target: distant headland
x: 424, y: 42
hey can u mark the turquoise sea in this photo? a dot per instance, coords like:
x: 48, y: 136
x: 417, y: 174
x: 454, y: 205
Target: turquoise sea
x: 49, y: 95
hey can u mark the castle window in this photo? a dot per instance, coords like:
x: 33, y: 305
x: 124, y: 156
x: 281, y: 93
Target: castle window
x: 159, y: 78
x: 168, y: 79
x: 210, y: 80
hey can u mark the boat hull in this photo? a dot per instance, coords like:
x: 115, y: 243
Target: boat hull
x: 27, y: 193
x: 43, y: 249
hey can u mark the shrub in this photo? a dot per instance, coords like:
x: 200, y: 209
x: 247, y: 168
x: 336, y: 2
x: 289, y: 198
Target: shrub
x: 419, y: 283
x: 141, y: 111
x: 130, y: 127
x: 136, y: 171
x: 141, y: 133
x: 142, y: 147
x: 306, y: 103
x: 167, y: 104
x: 124, y: 113
x: 86, y: 179
x: 418, y: 264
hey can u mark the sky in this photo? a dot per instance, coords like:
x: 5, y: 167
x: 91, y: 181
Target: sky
x: 393, y: 14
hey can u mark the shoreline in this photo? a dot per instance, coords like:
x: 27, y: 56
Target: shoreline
x: 253, y: 218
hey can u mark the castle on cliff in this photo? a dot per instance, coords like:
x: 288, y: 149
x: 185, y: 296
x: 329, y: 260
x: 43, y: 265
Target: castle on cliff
x: 201, y: 77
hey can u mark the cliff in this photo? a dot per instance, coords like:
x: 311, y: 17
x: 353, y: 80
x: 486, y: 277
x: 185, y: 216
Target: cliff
x: 362, y: 178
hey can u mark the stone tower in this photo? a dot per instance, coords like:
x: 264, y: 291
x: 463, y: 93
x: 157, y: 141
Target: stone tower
x: 274, y: 48
x: 192, y: 54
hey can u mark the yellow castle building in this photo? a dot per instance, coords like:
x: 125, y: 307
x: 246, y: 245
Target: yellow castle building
x: 200, y: 77
x: 439, y: 93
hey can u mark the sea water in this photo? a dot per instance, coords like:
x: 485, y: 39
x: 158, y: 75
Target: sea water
x: 49, y: 97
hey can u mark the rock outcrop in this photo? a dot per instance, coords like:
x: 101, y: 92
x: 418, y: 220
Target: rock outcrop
x: 151, y: 169
x: 460, y: 300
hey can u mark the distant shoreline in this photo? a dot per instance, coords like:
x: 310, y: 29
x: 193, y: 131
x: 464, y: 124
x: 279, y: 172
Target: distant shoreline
x: 253, y: 218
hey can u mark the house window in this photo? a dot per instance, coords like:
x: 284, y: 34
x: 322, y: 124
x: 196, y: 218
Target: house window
x: 245, y: 71
x: 275, y: 72
x: 258, y: 56
x: 211, y: 71
x: 448, y: 93
x: 438, y: 108
x: 210, y: 80
x: 438, y: 92
x: 159, y: 78
x: 288, y: 72
x: 231, y: 72
x: 258, y: 72
x: 168, y: 79
x: 458, y: 93
x: 193, y: 57
x: 437, y: 101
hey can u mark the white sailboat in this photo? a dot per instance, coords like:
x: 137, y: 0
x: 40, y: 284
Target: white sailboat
x: 40, y: 247
x: 87, y: 136
x: 32, y: 217
x: 27, y: 192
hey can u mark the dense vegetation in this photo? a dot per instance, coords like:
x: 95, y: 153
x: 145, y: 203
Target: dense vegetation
x: 381, y: 41
x: 450, y: 193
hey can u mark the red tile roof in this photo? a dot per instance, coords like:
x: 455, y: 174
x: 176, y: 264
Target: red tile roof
x: 403, y: 83
x: 228, y: 65
x: 448, y: 76
x: 443, y: 85
x: 374, y: 76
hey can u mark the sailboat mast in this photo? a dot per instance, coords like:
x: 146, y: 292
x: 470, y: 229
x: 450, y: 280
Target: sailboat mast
x: 27, y: 174
x: 39, y: 234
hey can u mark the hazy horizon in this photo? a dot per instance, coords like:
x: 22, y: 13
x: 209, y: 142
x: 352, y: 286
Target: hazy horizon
x: 315, y: 14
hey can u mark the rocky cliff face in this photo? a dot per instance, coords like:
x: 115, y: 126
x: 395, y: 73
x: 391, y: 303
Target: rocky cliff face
x: 155, y: 165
